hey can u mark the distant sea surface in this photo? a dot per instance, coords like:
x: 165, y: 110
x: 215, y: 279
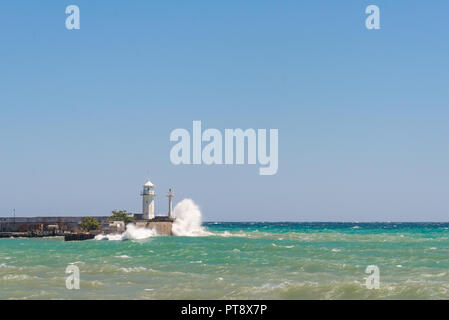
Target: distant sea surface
x: 238, y: 261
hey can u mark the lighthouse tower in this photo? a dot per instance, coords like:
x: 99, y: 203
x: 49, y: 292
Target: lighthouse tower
x: 170, y: 195
x: 148, y: 200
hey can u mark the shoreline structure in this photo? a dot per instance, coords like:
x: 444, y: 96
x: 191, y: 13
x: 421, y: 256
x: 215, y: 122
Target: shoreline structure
x: 69, y: 226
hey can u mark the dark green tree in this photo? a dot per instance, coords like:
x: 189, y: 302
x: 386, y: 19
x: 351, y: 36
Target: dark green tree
x: 89, y: 224
x: 121, y: 215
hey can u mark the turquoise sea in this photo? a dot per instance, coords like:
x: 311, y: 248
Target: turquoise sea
x: 238, y: 261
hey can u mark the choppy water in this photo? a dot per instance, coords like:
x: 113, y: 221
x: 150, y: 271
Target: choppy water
x: 238, y: 261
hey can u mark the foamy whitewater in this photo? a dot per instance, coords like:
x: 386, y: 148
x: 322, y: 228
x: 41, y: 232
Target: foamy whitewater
x: 131, y: 233
x: 188, y: 224
x: 188, y: 220
x: 250, y: 260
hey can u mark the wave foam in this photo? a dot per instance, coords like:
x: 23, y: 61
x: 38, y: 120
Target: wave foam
x: 188, y: 220
x: 132, y: 233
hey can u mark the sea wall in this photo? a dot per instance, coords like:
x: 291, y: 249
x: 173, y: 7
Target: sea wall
x: 39, y: 224
x: 163, y: 228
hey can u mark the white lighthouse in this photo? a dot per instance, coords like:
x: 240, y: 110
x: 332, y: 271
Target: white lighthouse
x: 148, y: 200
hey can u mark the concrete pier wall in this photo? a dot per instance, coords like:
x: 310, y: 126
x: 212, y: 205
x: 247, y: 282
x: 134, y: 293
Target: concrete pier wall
x: 39, y: 224
x: 163, y: 228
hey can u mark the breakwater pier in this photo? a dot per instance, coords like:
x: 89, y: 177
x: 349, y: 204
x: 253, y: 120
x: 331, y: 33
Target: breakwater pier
x: 44, y: 225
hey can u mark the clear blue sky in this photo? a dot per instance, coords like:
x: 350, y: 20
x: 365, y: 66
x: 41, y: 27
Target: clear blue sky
x: 363, y: 116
